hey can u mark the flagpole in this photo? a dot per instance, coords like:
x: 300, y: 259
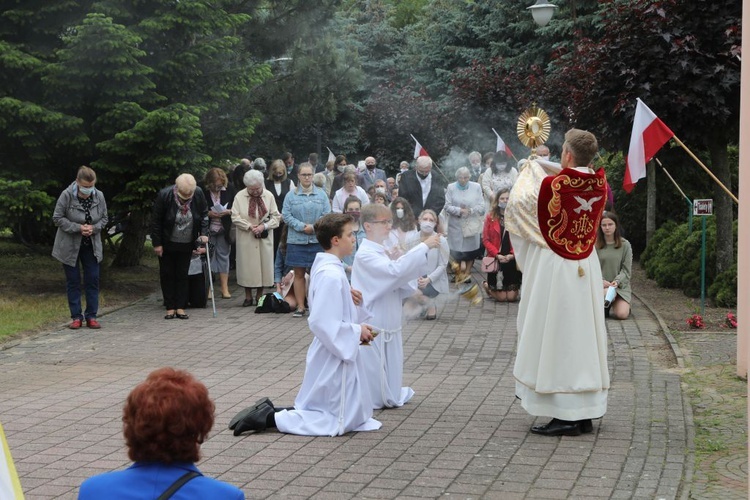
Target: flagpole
x: 731, y: 195
x: 511, y: 153
x: 434, y: 163
x: 674, y: 182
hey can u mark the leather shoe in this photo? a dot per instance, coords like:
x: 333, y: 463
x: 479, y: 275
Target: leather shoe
x: 586, y: 426
x: 75, y: 324
x: 93, y: 323
x: 255, y: 420
x: 558, y: 428
x: 246, y: 411
x: 248, y: 303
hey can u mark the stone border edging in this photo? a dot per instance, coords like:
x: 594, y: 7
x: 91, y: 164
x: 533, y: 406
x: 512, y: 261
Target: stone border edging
x: 687, y: 408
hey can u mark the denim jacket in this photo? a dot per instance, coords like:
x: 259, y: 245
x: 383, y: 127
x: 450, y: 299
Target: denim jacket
x: 300, y: 209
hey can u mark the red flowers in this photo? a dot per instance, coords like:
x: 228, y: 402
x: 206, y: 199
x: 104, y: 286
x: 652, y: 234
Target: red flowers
x: 730, y: 321
x: 695, y: 321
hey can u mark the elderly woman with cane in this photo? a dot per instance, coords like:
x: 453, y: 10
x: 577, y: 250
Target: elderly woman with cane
x: 179, y: 218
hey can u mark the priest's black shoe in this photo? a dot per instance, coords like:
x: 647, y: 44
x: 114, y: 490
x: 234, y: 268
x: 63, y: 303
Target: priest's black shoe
x: 255, y: 420
x: 246, y: 411
x: 586, y: 426
x: 558, y: 428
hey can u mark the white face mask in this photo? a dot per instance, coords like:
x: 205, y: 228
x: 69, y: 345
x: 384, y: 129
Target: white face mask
x: 427, y: 227
x: 400, y: 213
x: 340, y: 168
x: 380, y: 190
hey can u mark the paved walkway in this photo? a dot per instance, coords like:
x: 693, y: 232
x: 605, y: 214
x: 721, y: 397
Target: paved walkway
x: 463, y: 435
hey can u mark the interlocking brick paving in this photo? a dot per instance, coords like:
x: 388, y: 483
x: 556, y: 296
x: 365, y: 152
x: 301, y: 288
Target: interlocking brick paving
x: 464, y: 434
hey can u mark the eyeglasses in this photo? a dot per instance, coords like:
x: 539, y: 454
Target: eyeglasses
x: 388, y: 222
x: 305, y: 175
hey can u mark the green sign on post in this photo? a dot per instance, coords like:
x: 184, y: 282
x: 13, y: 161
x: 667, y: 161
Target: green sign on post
x: 703, y: 208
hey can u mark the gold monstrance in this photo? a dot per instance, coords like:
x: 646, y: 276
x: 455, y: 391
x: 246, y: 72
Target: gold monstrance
x: 533, y: 128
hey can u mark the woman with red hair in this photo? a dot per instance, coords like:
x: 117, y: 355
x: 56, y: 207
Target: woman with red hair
x: 165, y: 420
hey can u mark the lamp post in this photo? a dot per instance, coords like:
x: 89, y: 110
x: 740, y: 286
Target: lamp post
x: 542, y: 12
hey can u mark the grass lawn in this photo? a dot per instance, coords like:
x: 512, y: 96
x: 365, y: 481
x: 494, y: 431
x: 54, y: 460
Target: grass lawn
x: 32, y: 288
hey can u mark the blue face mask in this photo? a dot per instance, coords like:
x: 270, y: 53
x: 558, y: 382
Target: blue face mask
x: 85, y: 190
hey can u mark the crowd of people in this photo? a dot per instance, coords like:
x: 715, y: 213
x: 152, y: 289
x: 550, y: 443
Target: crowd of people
x: 241, y: 215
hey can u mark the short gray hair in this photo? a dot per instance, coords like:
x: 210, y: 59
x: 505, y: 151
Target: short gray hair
x: 259, y: 164
x: 319, y: 179
x: 463, y: 171
x: 424, y: 161
x: 253, y: 178
x: 185, y: 184
x: 475, y: 154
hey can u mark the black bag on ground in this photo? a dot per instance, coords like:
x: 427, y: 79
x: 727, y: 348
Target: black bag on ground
x: 271, y: 303
x: 198, y: 282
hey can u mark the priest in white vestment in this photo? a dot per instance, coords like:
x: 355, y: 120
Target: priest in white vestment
x: 384, y: 284
x: 561, y: 361
x: 333, y: 399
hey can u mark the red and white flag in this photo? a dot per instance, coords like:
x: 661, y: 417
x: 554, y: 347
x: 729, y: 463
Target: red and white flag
x: 649, y: 135
x: 501, y: 146
x: 418, y: 149
x: 331, y: 156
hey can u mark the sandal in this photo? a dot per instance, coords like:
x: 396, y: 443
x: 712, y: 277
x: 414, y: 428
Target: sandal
x: 181, y: 315
x: 170, y: 316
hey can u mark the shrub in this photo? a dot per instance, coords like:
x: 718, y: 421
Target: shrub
x: 723, y: 291
x: 26, y: 211
x: 673, y: 259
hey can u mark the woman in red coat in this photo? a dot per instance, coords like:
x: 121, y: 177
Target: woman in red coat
x: 497, y: 244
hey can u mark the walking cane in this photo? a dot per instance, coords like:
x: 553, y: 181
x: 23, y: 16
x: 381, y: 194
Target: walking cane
x: 210, y: 279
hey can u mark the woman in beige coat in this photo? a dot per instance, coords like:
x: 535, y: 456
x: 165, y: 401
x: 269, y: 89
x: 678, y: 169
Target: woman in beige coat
x: 254, y: 214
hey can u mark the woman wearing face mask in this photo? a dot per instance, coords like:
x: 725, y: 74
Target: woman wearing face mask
x: 219, y: 197
x: 340, y: 165
x: 353, y: 206
x: 464, y: 205
x: 497, y: 244
x: 404, y: 235
x: 279, y: 185
x: 80, y: 216
x: 435, y: 281
x: 500, y: 175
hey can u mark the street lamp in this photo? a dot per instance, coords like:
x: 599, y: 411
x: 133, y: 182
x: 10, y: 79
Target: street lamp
x: 542, y: 12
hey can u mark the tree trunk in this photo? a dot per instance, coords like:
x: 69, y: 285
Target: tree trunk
x: 723, y: 204
x: 650, y: 200
x: 131, y: 247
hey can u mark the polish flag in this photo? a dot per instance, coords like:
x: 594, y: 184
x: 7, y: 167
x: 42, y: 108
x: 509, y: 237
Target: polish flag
x: 418, y: 149
x: 648, y: 137
x: 501, y: 146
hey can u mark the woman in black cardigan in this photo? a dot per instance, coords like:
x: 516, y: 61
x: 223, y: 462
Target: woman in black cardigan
x: 179, y: 218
